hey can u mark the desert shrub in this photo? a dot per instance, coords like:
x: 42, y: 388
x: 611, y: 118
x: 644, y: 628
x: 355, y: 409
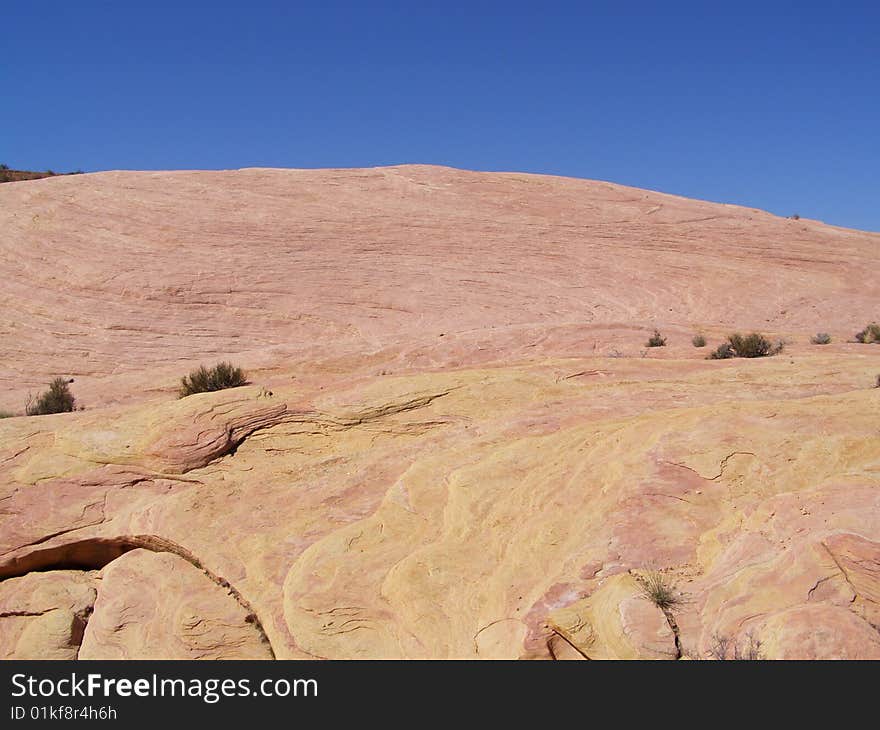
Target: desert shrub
x: 877, y: 382
x: 871, y: 334
x: 723, y: 648
x: 822, y: 338
x: 58, y: 399
x: 204, y: 380
x: 6, y: 414
x: 659, y: 591
x: 698, y: 341
x: 4, y: 167
x: 753, y: 345
x: 656, y: 340
x: 723, y: 352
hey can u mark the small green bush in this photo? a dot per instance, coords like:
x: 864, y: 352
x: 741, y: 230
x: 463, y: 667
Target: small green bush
x: 822, y: 338
x: 58, y: 399
x: 6, y: 414
x: 871, y: 334
x: 656, y: 340
x: 698, y: 341
x: 723, y: 352
x: 223, y: 375
x: 753, y: 345
x: 660, y: 592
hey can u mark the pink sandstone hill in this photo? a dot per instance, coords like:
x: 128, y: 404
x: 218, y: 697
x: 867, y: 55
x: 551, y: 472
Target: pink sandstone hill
x: 455, y: 443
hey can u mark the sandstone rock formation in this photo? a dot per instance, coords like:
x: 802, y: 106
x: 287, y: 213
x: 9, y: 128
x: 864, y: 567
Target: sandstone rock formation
x: 455, y: 444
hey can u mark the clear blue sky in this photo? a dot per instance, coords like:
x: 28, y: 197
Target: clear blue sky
x: 768, y: 104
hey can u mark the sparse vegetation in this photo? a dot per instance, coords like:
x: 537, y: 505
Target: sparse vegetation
x: 57, y: 399
x: 657, y: 589
x: 6, y: 414
x: 8, y: 175
x: 204, y: 380
x: 698, y: 341
x: 869, y: 335
x: 822, y: 338
x: 656, y: 340
x: 753, y: 345
x: 723, y: 352
x: 724, y: 648
x: 877, y: 382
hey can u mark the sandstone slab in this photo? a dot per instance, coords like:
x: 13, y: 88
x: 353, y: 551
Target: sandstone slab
x: 455, y: 444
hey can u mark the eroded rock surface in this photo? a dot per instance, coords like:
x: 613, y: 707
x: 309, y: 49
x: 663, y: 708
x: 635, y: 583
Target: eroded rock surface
x: 159, y: 606
x: 455, y: 444
x: 44, y: 615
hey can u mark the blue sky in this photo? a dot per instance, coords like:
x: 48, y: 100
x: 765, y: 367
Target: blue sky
x: 768, y: 104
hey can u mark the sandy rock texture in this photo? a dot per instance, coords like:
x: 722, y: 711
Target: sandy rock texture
x: 455, y: 443
x: 157, y: 605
